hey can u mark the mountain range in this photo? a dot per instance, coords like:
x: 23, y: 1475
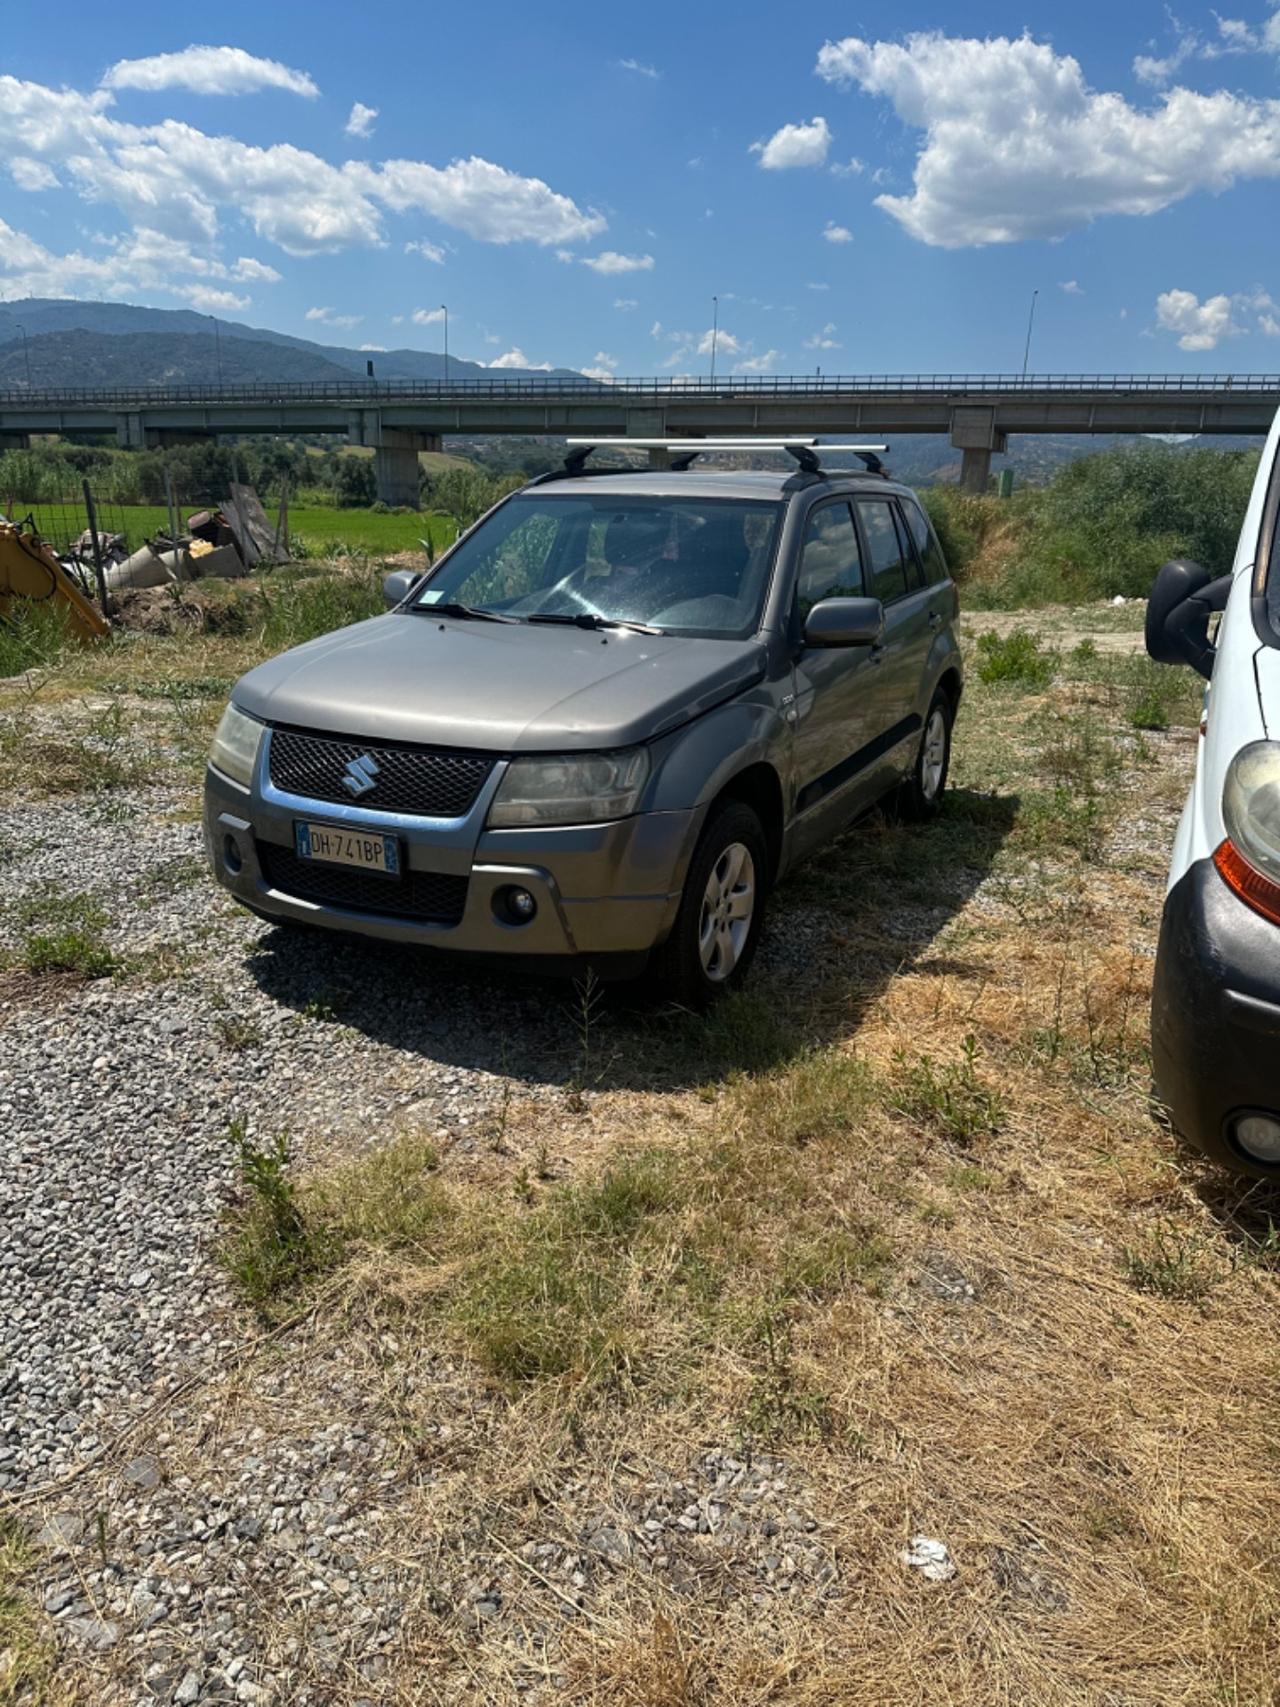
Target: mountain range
x: 119, y: 343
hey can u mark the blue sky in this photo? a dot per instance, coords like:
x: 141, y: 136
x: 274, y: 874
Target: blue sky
x: 866, y: 189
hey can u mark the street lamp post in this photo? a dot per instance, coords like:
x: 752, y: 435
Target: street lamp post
x: 217, y: 344
x: 444, y: 310
x: 26, y: 351
x: 715, y: 332
x: 1031, y: 320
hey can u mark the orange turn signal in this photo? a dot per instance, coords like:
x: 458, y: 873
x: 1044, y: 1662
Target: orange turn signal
x: 1255, y: 890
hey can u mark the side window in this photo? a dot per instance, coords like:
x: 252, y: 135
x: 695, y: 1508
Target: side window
x: 888, y: 572
x: 830, y: 563
x: 930, y: 552
x: 910, y: 557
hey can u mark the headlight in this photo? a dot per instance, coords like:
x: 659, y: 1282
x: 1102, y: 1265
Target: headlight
x: 1251, y: 806
x: 235, y: 745
x: 572, y: 788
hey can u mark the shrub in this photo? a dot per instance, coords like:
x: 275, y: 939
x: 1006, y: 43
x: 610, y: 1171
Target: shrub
x: 1014, y: 657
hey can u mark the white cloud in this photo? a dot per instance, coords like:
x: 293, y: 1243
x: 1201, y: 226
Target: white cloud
x: 428, y: 251
x: 246, y: 268
x: 640, y: 68
x: 143, y: 261
x: 725, y: 343
x: 1018, y: 146
x: 360, y: 120
x: 655, y: 331
x: 173, y: 178
x: 1202, y: 325
x: 609, y: 262
x: 565, y: 256
x: 32, y: 174
x: 208, y: 71
x: 764, y: 363
x: 625, y: 303
x: 429, y: 317
x: 794, y: 145
x: 1199, y: 325
x: 328, y: 318
x: 371, y: 348
x: 824, y: 340
x: 604, y: 366
x: 1234, y: 37
x: 515, y: 357
x: 207, y: 297
x: 817, y: 285
x: 486, y: 201
x: 1071, y: 287
x: 837, y: 233
x: 851, y: 168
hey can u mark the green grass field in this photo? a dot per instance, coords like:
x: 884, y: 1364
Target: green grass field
x: 316, y: 525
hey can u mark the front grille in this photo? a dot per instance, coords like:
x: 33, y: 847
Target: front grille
x: 433, y: 896
x: 420, y: 780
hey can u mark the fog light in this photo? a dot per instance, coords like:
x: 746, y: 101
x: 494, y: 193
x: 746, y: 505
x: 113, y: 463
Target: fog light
x: 515, y: 906
x: 1258, y: 1135
x: 231, y: 855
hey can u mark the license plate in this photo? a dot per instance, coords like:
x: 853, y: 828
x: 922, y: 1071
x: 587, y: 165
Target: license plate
x: 331, y: 844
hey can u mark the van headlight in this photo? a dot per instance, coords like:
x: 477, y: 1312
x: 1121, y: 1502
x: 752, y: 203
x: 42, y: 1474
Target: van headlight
x: 570, y: 788
x: 235, y: 745
x: 1251, y: 806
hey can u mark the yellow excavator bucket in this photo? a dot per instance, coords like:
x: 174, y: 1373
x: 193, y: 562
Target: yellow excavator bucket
x: 30, y: 572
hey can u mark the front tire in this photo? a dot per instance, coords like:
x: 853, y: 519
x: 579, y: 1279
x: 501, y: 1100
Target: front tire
x: 713, y: 940
x: 921, y: 795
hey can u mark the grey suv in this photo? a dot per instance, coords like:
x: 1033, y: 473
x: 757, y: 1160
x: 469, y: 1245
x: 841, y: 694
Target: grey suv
x: 603, y: 725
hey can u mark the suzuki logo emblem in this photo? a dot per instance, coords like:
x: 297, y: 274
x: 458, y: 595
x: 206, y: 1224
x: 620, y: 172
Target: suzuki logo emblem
x: 360, y: 776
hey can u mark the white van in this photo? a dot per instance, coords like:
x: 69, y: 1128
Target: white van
x: 1215, y: 1019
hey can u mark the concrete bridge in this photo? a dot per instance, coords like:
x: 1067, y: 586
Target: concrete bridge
x: 398, y: 418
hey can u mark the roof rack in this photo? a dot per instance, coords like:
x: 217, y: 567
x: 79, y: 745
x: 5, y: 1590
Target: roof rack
x: 685, y: 450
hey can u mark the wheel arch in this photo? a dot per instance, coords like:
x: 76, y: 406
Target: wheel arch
x: 760, y: 787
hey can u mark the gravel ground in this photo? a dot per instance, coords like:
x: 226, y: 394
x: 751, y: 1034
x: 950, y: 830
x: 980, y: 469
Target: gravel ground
x: 116, y: 1096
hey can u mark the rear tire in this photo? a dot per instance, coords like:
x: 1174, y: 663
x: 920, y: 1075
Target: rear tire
x: 921, y: 795
x: 713, y: 940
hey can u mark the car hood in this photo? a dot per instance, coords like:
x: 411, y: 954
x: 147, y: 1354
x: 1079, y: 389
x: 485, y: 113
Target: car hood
x: 498, y: 687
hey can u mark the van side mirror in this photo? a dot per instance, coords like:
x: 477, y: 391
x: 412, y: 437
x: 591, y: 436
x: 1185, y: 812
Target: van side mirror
x: 1182, y: 601
x: 844, y: 622
x: 398, y: 585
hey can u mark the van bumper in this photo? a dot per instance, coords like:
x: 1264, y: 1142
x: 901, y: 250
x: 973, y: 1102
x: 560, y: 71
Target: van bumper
x: 608, y: 891
x: 1215, y: 1016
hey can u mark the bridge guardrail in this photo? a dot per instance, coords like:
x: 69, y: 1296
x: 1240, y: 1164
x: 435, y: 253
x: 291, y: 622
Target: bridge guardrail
x: 370, y: 393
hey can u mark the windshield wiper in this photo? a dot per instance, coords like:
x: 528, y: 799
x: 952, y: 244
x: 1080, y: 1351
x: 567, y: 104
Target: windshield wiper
x: 589, y: 619
x: 453, y: 608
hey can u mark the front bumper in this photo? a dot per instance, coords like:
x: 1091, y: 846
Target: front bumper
x: 1215, y: 1016
x: 601, y: 889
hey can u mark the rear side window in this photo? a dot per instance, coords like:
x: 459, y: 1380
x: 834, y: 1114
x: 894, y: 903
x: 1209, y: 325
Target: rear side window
x: 830, y: 562
x: 887, y: 572
x: 930, y: 552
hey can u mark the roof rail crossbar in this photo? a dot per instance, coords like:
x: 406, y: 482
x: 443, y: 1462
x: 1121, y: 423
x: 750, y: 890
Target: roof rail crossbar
x: 685, y: 450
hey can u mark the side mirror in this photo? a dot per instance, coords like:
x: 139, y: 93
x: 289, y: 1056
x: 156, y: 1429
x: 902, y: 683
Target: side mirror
x: 398, y: 585
x: 844, y: 622
x: 1182, y: 600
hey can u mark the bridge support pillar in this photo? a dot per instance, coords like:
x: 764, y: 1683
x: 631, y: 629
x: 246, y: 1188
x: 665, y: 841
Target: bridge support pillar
x: 975, y: 435
x: 395, y: 464
x: 975, y: 470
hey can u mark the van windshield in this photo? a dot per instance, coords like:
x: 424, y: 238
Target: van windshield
x: 692, y: 565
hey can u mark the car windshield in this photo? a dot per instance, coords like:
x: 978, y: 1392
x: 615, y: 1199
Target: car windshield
x: 694, y: 565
